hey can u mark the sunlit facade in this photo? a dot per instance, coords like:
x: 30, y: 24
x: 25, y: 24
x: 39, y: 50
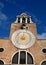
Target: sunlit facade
x: 23, y: 47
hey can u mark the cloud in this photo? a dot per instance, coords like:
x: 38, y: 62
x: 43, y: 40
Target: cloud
x: 42, y: 36
x: 3, y: 17
x: 1, y: 5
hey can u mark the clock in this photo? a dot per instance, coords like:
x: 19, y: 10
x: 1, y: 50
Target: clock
x: 23, y: 39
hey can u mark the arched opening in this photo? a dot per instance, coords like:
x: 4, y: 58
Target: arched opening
x: 28, y: 20
x: 22, y: 57
x: 43, y: 63
x: 23, y: 20
x: 18, y: 19
x: 29, y: 59
x: 15, y: 59
x: 1, y: 62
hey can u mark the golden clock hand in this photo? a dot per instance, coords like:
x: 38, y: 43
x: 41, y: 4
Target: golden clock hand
x: 23, y: 36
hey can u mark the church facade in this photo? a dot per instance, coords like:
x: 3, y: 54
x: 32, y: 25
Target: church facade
x: 23, y: 47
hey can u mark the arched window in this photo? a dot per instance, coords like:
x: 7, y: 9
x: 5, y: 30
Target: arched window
x: 1, y: 62
x: 43, y: 63
x: 15, y: 59
x: 22, y: 57
x: 29, y: 59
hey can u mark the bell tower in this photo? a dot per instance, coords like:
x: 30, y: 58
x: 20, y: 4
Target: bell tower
x: 23, y: 21
x: 23, y: 30
x: 23, y: 18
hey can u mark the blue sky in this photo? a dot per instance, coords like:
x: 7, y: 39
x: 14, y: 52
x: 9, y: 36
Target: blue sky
x: 9, y: 9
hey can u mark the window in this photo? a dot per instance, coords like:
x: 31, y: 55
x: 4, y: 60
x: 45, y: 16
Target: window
x: 29, y: 59
x: 1, y: 49
x: 1, y: 62
x: 43, y: 63
x: 15, y: 59
x: 28, y: 20
x: 18, y: 19
x: 22, y: 57
x: 44, y: 50
x: 23, y: 20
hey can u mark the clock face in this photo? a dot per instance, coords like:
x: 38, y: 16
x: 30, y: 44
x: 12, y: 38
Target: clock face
x: 23, y: 39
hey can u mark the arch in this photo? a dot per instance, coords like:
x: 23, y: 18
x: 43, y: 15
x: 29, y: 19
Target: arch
x: 15, y: 59
x: 28, y: 20
x: 1, y: 62
x: 29, y: 59
x: 18, y: 19
x: 43, y: 63
x: 23, y: 20
x: 21, y: 59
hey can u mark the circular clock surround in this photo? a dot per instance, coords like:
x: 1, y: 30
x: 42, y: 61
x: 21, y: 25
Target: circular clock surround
x: 23, y: 39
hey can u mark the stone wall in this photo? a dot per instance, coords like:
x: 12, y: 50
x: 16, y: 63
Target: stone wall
x: 10, y: 49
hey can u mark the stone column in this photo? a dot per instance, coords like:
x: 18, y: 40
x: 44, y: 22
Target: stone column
x: 26, y: 20
x: 31, y: 21
x: 20, y: 20
x: 16, y: 20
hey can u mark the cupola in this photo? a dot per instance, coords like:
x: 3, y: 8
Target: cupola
x: 23, y: 18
